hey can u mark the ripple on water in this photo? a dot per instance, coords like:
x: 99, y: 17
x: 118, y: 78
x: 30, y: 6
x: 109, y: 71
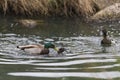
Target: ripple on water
x: 85, y: 57
x: 101, y: 75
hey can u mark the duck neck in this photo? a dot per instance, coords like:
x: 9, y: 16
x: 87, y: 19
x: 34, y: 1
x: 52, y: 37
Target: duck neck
x: 46, y: 47
x: 104, y: 35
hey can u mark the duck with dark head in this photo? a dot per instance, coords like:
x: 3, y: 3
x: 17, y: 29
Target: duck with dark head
x: 40, y: 49
x: 105, y: 41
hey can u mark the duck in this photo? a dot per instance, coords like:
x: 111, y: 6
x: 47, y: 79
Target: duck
x: 39, y: 49
x: 106, y: 41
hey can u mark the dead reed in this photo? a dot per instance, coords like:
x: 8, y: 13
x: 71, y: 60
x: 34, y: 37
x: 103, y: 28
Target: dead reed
x: 69, y: 8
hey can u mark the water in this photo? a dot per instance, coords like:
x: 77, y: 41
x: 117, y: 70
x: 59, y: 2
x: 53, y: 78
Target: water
x: 86, y: 61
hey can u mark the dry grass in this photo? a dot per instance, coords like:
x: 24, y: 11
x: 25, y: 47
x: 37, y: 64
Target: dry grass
x: 68, y: 8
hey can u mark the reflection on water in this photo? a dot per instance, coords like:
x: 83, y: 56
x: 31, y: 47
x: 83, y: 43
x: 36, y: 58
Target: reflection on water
x: 87, y: 60
x: 103, y: 75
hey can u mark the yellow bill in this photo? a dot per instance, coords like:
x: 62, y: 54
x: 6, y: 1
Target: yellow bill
x: 56, y: 48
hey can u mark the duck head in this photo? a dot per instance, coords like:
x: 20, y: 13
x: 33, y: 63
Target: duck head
x: 50, y: 45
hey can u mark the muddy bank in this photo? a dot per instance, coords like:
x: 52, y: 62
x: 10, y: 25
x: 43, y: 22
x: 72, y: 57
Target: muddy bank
x: 109, y: 10
x: 109, y: 13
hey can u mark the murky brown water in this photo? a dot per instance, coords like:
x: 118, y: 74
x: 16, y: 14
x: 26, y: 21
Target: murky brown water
x: 87, y: 60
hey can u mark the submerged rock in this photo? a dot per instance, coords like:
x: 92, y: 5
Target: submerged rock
x: 111, y: 12
x: 28, y: 23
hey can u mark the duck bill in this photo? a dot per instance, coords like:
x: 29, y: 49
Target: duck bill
x: 56, y: 48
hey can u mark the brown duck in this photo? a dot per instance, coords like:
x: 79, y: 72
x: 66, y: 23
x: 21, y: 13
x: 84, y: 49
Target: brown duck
x: 106, y: 41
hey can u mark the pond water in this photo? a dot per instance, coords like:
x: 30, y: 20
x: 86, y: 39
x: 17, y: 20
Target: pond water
x: 87, y: 60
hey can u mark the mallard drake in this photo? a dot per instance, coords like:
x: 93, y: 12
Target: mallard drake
x: 40, y: 49
x: 106, y: 41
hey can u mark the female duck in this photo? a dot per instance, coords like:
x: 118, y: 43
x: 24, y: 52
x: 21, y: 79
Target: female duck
x: 106, y: 41
x: 40, y: 49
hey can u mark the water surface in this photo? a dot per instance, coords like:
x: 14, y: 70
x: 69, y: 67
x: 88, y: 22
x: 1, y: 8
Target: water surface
x: 87, y: 60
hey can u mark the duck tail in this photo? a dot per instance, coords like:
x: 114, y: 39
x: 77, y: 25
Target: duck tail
x: 21, y: 47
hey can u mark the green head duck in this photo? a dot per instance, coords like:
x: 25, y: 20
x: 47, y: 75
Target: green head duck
x: 50, y: 45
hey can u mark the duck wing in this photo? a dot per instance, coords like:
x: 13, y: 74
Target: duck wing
x: 30, y: 46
